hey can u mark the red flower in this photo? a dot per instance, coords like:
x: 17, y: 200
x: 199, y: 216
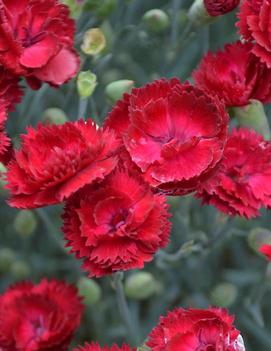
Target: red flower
x: 117, y: 225
x: 220, y: 7
x: 174, y: 133
x: 36, y: 40
x: 56, y: 161
x: 39, y: 318
x: 193, y: 329
x: 234, y: 75
x: 96, y: 347
x: 266, y: 251
x: 255, y: 26
x: 10, y: 91
x: 243, y: 182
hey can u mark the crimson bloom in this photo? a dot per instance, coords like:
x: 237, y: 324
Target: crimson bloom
x: 39, y: 317
x: 220, y: 7
x: 117, y: 225
x: 234, y: 75
x: 175, y: 133
x: 266, y: 251
x: 36, y: 41
x: 56, y: 161
x: 195, y: 329
x: 96, y: 347
x: 243, y: 182
x: 255, y: 26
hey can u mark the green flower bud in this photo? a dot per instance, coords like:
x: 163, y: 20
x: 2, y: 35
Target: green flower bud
x: 115, y: 90
x: 93, y: 41
x: 253, y: 116
x: 86, y: 84
x: 156, y: 20
x: 198, y: 14
x: 20, y: 269
x: 54, y: 115
x: 7, y: 257
x: 141, y: 286
x: 224, y: 295
x: 257, y: 237
x: 89, y: 290
x: 25, y: 223
x: 3, y: 182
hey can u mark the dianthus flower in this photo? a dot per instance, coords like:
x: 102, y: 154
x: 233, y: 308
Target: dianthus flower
x: 175, y: 133
x: 117, y: 225
x: 255, y: 26
x: 242, y: 184
x: 36, y: 41
x: 96, y: 347
x: 266, y: 251
x: 39, y: 317
x: 195, y: 329
x: 55, y: 161
x: 234, y: 75
x: 220, y: 7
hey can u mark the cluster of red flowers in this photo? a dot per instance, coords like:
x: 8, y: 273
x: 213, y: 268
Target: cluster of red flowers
x: 39, y: 317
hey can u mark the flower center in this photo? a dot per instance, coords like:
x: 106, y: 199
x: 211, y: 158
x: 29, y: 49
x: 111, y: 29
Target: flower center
x: 38, y: 326
x: 119, y: 219
x: 30, y: 39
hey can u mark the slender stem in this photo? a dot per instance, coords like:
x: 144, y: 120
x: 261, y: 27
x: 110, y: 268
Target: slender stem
x: 123, y: 306
x: 82, y: 108
x: 176, y: 4
x: 51, y: 229
x: 206, y: 39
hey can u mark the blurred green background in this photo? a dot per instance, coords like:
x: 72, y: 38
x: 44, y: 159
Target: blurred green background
x: 212, y: 259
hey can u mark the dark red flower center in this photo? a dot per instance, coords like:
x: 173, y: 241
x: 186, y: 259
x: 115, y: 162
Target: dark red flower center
x: 31, y: 39
x: 119, y: 219
x: 38, y: 326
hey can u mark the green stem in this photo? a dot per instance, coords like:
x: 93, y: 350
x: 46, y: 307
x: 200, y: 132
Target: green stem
x: 82, y: 108
x: 123, y: 306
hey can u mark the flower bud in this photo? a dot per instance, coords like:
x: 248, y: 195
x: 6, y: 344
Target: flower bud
x: 253, y: 116
x: 89, y: 290
x: 86, y: 84
x: 3, y: 182
x: 54, y: 115
x: 93, y: 41
x: 20, y: 269
x: 140, y: 286
x: 156, y: 20
x: 115, y: 90
x: 25, y: 223
x: 224, y: 295
x: 257, y: 237
x: 198, y: 14
x: 7, y: 257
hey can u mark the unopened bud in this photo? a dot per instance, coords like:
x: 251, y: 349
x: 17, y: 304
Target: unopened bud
x: 86, y: 84
x: 156, y: 20
x: 54, y: 115
x: 258, y: 237
x: 224, y: 295
x: 89, y: 290
x: 20, y: 269
x: 7, y: 257
x: 115, y: 90
x: 25, y: 223
x: 93, y: 42
x: 141, y: 286
x: 253, y: 116
x: 198, y: 14
x: 3, y: 181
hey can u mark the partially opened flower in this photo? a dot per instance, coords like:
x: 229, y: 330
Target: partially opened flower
x: 266, y: 251
x: 36, y: 41
x: 117, y: 225
x: 255, y: 26
x: 195, y: 329
x: 174, y: 133
x: 96, y: 347
x: 242, y: 184
x: 235, y: 75
x: 39, y: 317
x: 220, y: 7
x: 56, y: 161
